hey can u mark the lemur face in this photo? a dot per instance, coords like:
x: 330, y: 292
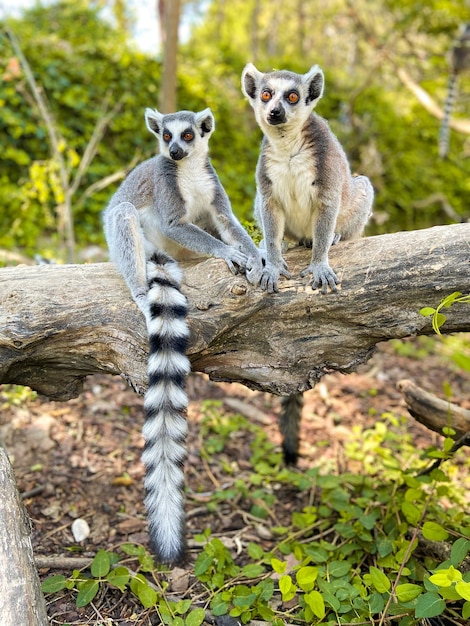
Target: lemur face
x: 181, y: 134
x: 282, y: 97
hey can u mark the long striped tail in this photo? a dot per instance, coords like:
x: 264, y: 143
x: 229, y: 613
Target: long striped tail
x: 445, y: 124
x: 165, y: 407
x: 289, y: 425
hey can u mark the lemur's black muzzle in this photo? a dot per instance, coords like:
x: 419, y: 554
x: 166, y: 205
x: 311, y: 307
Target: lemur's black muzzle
x: 176, y: 152
x: 277, y: 115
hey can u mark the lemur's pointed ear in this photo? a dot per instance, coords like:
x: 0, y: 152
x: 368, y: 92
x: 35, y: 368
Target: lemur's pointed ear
x: 154, y: 120
x: 315, y: 81
x: 250, y: 80
x: 205, y: 122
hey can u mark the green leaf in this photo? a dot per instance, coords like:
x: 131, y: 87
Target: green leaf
x: 445, y: 577
x: 53, y: 584
x: 118, y: 577
x: 407, y: 592
x: 459, y: 551
x: 463, y: 589
x: 376, y: 603
x: 140, y: 587
x: 306, y: 577
x: 315, y: 601
x: 87, y: 592
x: 450, y: 299
x: 466, y: 610
x: 195, y: 617
x: 100, y: 565
x: 255, y: 551
x: 203, y: 562
x: 287, y: 588
x: 437, y: 321
x: 132, y: 549
x: 411, y: 512
x: 429, y: 605
x: 252, y: 570
x: 339, y: 569
x: 278, y: 566
x: 146, y: 595
x: 434, y: 531
x: 426, y: 311
x: 379, y: 580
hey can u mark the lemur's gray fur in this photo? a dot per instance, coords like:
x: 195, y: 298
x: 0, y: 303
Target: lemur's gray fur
x: 305, y: 190
x: 170, y: 207
x: 459, y: 61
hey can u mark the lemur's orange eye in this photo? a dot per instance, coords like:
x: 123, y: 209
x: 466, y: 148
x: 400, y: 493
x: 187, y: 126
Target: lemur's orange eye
x: 293, y: 97
x: 188, y: 136
x: 266, y: 95
x: 166, y: 137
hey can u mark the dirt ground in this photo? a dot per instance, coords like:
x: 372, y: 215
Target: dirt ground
x: 81, y: 459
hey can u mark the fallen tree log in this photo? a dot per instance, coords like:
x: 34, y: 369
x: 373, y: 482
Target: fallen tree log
x: 433, y: 412
x: 59, y: 324
x: 21, y: 600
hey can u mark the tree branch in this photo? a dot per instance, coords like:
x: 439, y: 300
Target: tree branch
x: 60, y: 323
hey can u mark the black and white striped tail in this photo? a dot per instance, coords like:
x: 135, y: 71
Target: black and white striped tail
x: 289, y: 425
x: 445, y: 125
x: 165, y: 407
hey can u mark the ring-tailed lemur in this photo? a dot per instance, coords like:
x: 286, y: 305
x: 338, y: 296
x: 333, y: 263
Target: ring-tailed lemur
x: 459, y: 61
x: 305, y: 190
x: 170, y: 207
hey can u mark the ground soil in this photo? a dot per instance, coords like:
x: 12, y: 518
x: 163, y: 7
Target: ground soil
x: 81, y: 459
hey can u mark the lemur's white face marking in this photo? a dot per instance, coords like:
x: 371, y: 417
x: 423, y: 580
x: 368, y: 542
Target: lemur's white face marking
x: 181, y: 134
x: 282, y: 98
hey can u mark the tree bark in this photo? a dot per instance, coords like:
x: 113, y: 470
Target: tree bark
x: 59, y: 324
x: 21, y: 599
x: 170, y: 11
x: 433, y: 412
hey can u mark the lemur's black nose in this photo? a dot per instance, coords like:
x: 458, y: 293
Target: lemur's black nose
x: 276, y: 116
x: 177, y: 153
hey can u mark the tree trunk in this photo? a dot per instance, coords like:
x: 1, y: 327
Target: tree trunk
x: 21, y: 599
x: 170, y: 10
x: 60, y: 323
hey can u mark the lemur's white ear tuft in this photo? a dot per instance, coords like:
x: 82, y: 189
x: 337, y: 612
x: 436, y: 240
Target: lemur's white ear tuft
x: 205, y: 122
x: 153, y: 119
x: 315, y: 81
x: 250, y: 80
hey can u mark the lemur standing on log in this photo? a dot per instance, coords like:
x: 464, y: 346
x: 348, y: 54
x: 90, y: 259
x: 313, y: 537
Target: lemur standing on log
x: 459, y: 61
x: 305, y: 191
x: 169, y: 207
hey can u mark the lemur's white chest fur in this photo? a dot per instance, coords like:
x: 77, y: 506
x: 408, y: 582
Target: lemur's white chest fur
x: 196, y: 186
x: 291, y: 169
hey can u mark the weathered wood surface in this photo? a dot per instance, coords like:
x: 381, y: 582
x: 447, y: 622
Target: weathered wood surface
x: 433, y: 412
x: 21, y: 599
x: 60, y: 323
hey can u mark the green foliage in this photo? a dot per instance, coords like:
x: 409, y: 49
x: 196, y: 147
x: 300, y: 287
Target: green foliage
x: 106, y: 571
x: 354, y: 554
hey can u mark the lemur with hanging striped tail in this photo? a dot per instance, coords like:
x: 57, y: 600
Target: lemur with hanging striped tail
x: 305, y: 192
x: 171, y: 207
x: 459, y: 61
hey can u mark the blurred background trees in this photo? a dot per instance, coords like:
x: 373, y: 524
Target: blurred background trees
x: 95, y: 83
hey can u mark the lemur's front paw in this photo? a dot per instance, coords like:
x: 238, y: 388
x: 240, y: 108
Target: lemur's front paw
x: 254, y: 270
x: 270, y: 276
x: 236, y: 260
x: 323, y: 276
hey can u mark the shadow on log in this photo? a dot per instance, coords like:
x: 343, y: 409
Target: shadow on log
x: 59, y: 324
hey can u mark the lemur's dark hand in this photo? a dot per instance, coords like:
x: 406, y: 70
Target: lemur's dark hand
x: 236, y: 260
x: 271, y: 274
x: 323, y: 276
